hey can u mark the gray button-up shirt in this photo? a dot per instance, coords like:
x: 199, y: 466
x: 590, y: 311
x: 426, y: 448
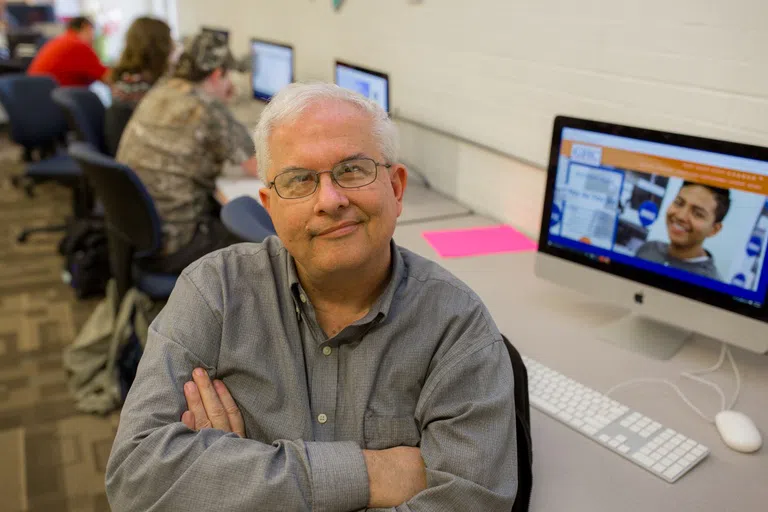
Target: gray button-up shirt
x: 425, y: 367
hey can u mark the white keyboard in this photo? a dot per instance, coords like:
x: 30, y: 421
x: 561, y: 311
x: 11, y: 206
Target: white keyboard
x: 662, y: 451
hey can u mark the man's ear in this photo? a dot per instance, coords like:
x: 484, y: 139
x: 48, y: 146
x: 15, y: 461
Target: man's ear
x: 265, y: 197
x: 398, y: 177
x: 716, y: 229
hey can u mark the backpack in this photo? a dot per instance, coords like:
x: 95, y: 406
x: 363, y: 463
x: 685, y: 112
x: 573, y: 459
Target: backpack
x: 86, y: 255
x: 523, y: 425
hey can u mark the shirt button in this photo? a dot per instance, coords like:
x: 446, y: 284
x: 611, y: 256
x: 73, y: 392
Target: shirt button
x: 322, y: 418
x: 303, y: 298
x: 327, y: 350
x: 297, y: 309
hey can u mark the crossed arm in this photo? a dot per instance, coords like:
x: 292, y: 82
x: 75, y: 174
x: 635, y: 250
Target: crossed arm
x: 395, y: 475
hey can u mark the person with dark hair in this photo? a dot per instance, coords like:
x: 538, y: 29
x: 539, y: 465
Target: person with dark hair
x: 148, y: 46
x: 696, y: 214
x: 70, y: 58
x: 178, y: 140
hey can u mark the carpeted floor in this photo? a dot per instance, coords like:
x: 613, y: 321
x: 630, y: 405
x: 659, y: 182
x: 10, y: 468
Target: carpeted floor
x: 52, y: 457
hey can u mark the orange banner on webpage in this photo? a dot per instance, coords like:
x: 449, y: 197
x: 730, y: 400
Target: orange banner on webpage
x: 591, y: 154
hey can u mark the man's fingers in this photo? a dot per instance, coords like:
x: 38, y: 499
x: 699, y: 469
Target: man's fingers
x: 188, y: 419
x: 195, y: 406
x: 213, y: 407
x: 231, y: 409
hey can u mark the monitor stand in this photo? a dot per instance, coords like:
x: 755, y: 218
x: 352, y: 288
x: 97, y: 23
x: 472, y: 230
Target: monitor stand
x: 643, y: 335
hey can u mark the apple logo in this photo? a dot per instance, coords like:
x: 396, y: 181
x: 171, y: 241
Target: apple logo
x: 639, y: 297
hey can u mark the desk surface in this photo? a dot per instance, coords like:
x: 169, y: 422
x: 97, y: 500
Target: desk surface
x: 572, y: 473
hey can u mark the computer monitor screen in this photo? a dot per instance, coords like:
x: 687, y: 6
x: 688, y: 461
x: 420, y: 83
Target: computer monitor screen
x: 683, y: 214
x: 28, y: 15
x: 371, y: 84
x: 271, y: 68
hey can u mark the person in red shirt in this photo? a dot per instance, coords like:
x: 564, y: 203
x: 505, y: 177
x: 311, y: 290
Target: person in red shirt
x: 70, y: 58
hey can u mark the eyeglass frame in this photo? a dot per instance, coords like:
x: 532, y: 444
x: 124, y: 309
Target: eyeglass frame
x: 333, y: 178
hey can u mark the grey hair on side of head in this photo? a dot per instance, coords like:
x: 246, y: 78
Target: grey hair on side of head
x: 292, y: 100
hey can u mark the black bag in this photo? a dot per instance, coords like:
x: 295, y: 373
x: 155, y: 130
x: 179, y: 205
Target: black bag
x: 523, y: 425
x: 86, y: 265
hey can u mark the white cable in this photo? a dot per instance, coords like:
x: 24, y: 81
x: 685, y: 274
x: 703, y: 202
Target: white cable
x: 694, y: 375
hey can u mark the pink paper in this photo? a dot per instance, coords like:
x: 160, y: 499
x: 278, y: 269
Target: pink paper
x: 456, y: 243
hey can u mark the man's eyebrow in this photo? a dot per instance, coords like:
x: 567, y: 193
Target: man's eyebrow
x: 356, y: 156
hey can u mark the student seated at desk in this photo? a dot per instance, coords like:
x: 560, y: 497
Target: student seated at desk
x: 70, y: 58
x: 327, y: 368
x: 144, y: 60
x: 178, y: 140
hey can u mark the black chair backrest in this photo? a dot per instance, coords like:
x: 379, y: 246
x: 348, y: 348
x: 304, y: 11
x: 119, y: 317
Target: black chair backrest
x: 116, y: 118
x: 36, y: 121
x: 128, y: 208
x: 523, y: 424
x: 133, y: 225
x: 85, y: 113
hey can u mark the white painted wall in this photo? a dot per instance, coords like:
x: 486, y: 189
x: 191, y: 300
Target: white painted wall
x: 498, y: 71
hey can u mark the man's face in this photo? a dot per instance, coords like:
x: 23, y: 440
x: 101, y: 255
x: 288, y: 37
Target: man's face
x: 691, y: 217
x: 334, y: 229
x: 220, y: 85
x: 86, y: 34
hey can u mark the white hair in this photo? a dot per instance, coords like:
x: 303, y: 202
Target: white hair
x: 292, y: 100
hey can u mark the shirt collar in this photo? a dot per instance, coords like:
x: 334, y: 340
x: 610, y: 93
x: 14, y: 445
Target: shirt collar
x: 382, y: 304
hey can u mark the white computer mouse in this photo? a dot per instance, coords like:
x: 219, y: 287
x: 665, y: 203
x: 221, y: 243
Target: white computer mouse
x: 738, y: 431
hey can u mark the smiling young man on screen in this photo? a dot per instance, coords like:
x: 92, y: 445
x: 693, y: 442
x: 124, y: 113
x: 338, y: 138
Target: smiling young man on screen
x: 325, y: 369
x: 695, y: 215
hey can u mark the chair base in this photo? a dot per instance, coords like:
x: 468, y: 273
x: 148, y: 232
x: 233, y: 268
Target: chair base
x: 22, y: 237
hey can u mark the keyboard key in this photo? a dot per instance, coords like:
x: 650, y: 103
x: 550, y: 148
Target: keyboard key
x: 673, y: 471
x: 624, y: 448
x: 667, y: 461
x: 614, y: 443
x: 621, y: 438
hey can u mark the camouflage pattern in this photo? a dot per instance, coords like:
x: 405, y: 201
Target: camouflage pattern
x: 204, y: 53
x: 177, y: 141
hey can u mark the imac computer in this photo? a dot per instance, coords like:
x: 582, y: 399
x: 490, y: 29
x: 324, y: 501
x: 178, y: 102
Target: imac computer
x: 671, y: 227
x: 371, y: 84
x: 271, y: 68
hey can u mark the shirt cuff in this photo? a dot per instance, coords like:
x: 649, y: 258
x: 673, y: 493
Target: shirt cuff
x: 339, y: 476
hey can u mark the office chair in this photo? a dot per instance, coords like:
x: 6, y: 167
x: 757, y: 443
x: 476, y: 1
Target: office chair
x: 523, y: 426
x: 38, y: 125
x: 133, y: 225
x: 85, y: 113
x: 246, y: 218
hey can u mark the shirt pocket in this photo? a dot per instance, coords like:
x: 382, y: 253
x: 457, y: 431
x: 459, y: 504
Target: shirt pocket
x: 382, y: 432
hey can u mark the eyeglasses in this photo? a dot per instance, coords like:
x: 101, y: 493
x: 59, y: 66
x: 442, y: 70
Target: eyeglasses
x: 298, y: 183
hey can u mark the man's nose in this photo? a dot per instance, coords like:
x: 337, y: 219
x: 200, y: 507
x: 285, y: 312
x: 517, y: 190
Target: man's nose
x: 330, y: 196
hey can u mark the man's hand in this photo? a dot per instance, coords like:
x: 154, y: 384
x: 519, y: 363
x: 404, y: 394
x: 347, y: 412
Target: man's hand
x: 210, y: 405
x: 394, y: 475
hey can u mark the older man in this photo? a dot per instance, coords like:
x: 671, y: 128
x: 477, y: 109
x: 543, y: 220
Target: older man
x: 331, y: 369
